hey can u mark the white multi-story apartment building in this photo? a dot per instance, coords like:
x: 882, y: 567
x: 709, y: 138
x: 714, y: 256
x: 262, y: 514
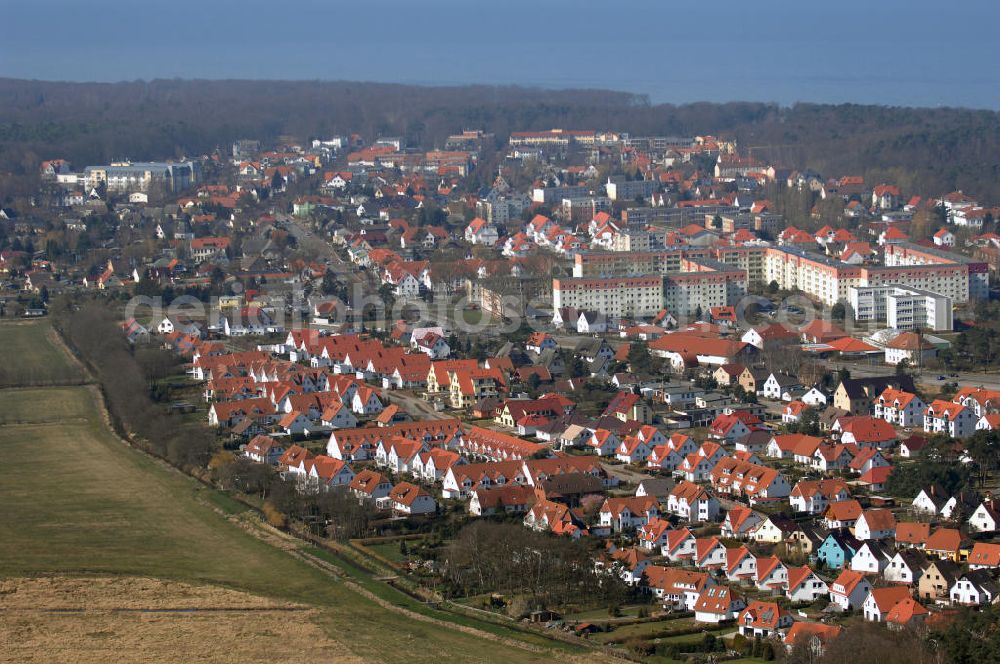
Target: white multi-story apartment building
x: 924, y: 282
x: 947, y: 273
x: 902, y: 308
x: 140, y: 176
x: 901, y: 408
x: 950, y: 418
x: 907, y: 266
x: 614, y: 296
x: 697, y: 283
x: 628, y: 190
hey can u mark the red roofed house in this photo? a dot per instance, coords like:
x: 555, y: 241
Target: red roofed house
x: 771, y: 335
x: 294, y: 423
x: 912, y: 534
x: 792, y: 412
x: 875, y: 477
x: 293, y: 459
x: 906, y: 613
x: 479, y: 231
x: 945, y: 544
x: 653, y: 533
x: 741, y: 565
x: 632, y: 450
x: 709, y: 553
x: 718, y: 603
x: 756, y: 482
x: 813, y: 496
x: 366, y: 401
x: 763, y: 619
x: 950, y: 418
x: 893, y: 235
x: 629, y: 563
x: 739, y: 522
x: 886, y: 196
x: 547, y: 515
x: 324, y: 472
x: 910, y: 347
x: 984, y: 555
x: 772, y: 574
x: 814, y: 636
x: 876, y: 524
x: 850, y: 590
x: 628, y: 406
x: 264, y: 449
x: 733, y: 426
x: 628, y: 513
x: 842, y: 514
x: 880, y: 601
x: 944, y: 238
x: 410, y: 499
x: 867, y: 459
x: 804, y: 585
x: 899, y: 407
x: 677, y: 588
x: 865, y: 431
x: 508, y: 499
x: 370, y: 484
x: 680, y: 545
x: 692, y: 502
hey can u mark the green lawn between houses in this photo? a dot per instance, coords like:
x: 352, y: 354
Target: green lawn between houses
x: 79, y: 502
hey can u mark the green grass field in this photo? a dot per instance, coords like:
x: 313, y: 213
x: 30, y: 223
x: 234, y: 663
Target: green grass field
x: 388, y: 550
x: 80, y: 502
x: 29, y: 358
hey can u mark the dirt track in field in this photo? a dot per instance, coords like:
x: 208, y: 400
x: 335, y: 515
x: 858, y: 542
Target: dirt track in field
x: 132, y: 619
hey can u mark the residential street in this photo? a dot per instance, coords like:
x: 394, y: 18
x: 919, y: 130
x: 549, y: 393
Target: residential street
x: 415, y: 406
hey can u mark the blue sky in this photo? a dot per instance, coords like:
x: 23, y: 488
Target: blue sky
x: 875, y: 51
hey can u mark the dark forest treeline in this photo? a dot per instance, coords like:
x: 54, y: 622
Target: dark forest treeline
x: 924, y: 150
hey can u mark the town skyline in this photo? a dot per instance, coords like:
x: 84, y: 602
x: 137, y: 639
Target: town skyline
x: 526, y: 354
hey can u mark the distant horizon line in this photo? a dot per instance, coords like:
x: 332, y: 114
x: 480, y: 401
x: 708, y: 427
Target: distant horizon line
x: 644, y: 97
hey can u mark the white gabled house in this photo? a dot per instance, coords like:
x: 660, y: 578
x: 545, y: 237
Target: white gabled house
x: 986, y: 517
x: 410, y: 499
x: 850, y: 590
x: 338, y: 416
x: 901, y: 408
x: 623, y: 514
x: 974, y: 588
x: 905, y: 567
x: 710, y: 553
x: 772, y: 574
x: 366, y: 402
x: 880, y: 602
x: 680, y: 545
x: 692, y: 502
x: 950, y: 418
x: 875, y: 524
x: 740, y: 522
x: 804, y: 585
x: 741, y: 565
x: 632, y: 450
x: 718, y: 603
x: 871, y: 558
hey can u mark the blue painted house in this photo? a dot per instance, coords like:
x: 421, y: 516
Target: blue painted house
x: 838, y: 548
